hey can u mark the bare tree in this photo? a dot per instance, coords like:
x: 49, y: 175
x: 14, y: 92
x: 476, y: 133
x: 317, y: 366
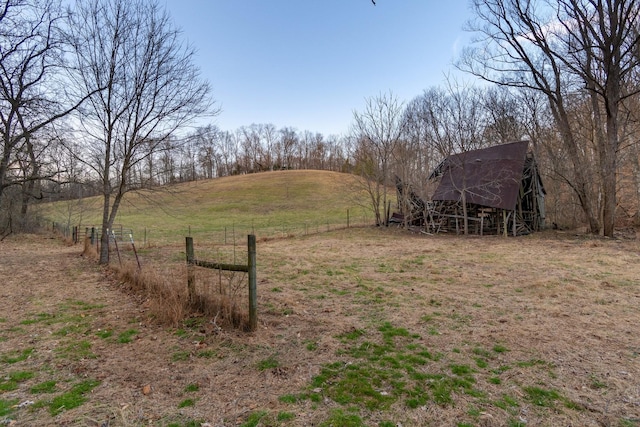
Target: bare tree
x: 505, y: 116
x: 229, y: 154
x: 208, y: 142
x: 130, y: 52
x: 378, y: 130
x: 288, y: 142
x: 453, y: 121
x: 31, y: 96
x: 565, y: 49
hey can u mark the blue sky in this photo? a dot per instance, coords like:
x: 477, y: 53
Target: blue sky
x: 309, y: 64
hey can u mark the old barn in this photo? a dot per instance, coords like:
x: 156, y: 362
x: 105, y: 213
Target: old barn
x: 491, y: 190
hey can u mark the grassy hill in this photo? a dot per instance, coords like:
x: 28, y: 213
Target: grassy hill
x: 267, y: 204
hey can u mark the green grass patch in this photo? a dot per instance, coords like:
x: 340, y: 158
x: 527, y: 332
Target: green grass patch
x: 187, y: 403
x: 339, y: 418
x: 500, y: 348
x: 20, y: 376
x: 426, y: 318
x: 44, y: 387
x: 461, y: 369
x: 268, y: 363
x: 104, y: 334
x: 6, y: 406
x: 530, y: 363
x: 127, y: 336
x: 187, y: 423
x: 193, y: 322
x: 289, y: 398
x: 81, y: 305
x: 506, y: 402
x: 596, y: 383
x: 181, y: 333
x: 481, y: 363
x: 254, y: 419
x: 355, y: 384
x: 191, y: 388
x: 541, y: 397
x: 206, y: 354
x: 285, y: 416
x: 73, y: 398
x: 76, y: 350
x: 15, y: 356
x: 352, y: 335
x: 181, y: 356
x: 40, y: 317
x: 495, y: 380
x: 481, y: 352
x: 390, y: 367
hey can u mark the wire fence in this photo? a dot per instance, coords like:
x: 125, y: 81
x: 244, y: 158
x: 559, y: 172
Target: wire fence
x: 218, y: 293
x: 224, y: 243
x: 147, y: 235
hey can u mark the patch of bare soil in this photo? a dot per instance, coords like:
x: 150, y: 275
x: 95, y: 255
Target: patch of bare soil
x: 553, y: 312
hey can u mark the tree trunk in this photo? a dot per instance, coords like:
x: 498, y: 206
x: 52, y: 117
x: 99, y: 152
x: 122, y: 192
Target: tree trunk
x: 609, y: 178
x: 635, y: 163
x: 581, y: 186
x: 4, y: 167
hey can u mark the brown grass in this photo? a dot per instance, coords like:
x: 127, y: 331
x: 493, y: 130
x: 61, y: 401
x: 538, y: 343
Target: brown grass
x: 166, y: 296
x: 89, y: 250
x: 164, y: 292
x: 552, y: 311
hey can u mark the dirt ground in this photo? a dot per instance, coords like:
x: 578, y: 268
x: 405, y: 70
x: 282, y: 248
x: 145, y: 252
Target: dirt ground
x: 565, y: 308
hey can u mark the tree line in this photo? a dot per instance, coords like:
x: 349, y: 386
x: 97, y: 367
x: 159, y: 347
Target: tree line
x: 100, y: 98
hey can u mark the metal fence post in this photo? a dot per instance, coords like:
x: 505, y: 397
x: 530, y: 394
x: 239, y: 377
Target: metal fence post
x: 253, y: 294
x: 191, y: 280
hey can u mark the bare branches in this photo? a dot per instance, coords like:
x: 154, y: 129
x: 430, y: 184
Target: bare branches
x: 143, y: 84
x: 566, y: 49
x: 32, y: 97
x: 378, y: 130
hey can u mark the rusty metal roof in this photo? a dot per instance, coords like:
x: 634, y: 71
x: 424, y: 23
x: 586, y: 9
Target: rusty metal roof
x: 489, y: 177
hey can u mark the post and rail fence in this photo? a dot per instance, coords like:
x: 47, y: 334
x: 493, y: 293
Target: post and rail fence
x: 249, y: 268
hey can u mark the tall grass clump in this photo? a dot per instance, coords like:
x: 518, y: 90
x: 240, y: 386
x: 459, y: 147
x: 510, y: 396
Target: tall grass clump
x: 166, y: 294
x: 89, y: 250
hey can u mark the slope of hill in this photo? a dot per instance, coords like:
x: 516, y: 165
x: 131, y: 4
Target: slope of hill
x: 267, y: 203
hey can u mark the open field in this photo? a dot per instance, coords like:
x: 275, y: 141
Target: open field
x: 266, y: 204
x: 364, y: 326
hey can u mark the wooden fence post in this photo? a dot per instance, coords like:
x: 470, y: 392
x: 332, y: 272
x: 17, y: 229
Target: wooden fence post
x: 253, y: 295
x: 191, y: 280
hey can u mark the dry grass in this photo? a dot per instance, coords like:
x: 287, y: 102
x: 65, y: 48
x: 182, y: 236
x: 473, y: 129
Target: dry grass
x: 89, y: 250
x: 165, y: 295
x: 164, y: 292
x: 543, y: 317
x: 537, y: 330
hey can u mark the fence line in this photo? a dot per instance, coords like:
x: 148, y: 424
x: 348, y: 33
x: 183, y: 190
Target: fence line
x: 78, y: 233
x: 225, y: 235
x: 250, y: 268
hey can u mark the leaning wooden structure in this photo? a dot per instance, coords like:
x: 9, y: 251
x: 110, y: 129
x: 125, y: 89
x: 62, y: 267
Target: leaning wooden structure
x: 495, y: 190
